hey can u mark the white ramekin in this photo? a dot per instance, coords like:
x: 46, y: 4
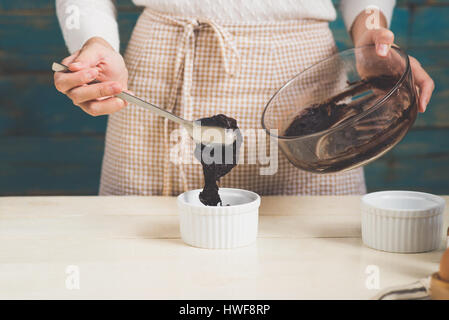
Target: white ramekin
x: 402, y: 221
x: 223, y: 227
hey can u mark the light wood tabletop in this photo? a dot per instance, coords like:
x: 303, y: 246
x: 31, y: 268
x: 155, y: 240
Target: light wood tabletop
x: 130, y: 248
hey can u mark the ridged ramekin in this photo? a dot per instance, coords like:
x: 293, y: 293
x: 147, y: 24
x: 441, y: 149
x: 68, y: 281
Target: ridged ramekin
x: 402, y: 221
x: 222, y: 227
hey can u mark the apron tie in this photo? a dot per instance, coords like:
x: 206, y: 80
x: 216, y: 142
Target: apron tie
x: 183, y: 75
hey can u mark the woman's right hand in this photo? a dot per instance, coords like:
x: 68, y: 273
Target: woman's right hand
x: 96, y: 60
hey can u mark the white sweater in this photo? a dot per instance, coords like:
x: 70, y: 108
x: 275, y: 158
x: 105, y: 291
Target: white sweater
x: 83, y: 19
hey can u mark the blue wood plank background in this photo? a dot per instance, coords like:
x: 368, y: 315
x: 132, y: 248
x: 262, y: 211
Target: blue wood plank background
x: 48, y: 146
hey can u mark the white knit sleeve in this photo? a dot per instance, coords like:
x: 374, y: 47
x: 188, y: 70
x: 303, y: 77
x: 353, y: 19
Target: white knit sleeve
x: 350, y: 9
x: 81, y: 20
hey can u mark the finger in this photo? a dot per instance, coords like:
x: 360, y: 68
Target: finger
x: 383, y: 39
x: 65, y: 81
x: 88, y: 57
x: 424, y: 82
x: 82, y: 94
x: 102, y: 107
x: 68, y: 60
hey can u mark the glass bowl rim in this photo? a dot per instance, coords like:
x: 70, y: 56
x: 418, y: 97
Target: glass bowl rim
x: 355, y: 118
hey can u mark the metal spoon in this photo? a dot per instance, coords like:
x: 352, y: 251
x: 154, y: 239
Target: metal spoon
x: 201, y: 134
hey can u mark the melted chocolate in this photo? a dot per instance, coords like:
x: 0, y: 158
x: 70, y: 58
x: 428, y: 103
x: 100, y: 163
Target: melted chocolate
x: 319, y: 117
x: 216, y: 165
x: 354, y: 144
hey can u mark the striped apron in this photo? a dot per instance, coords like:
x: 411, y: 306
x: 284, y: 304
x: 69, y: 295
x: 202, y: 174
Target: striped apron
x: 197, y: 68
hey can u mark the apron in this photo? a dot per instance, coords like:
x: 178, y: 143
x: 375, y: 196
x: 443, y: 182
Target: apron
x: 197, y: 68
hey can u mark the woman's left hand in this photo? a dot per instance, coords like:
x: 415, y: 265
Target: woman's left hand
x: 383, y: 38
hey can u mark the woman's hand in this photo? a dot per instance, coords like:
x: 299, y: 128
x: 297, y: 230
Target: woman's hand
x: 96, y: 60
x: 383, y: 38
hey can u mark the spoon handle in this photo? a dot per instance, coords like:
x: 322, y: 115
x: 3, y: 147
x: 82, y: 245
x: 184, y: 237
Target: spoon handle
x: 59, y: 67
x: 153, y: 108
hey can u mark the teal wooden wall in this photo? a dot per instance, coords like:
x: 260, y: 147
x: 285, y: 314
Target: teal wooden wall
x: 48, y: 146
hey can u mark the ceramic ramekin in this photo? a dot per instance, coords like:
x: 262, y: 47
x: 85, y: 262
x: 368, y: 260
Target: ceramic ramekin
x: 402, y: 221
x: 223, y: 227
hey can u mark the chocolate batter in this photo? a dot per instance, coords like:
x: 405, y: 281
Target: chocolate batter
x: 319, y: 117
x: 354, y: 144
x: 214, y: 170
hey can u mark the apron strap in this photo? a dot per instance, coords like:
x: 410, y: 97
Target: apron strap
x: 183, y: 74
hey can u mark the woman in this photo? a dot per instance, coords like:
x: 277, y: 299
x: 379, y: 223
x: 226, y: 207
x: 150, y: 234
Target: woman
x: 199, y: 58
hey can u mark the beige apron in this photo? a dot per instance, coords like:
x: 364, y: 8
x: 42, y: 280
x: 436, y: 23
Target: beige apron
x: 198, y: 68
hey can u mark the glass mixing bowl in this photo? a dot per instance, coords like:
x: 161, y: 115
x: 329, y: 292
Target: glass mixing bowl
x: 344, y: 111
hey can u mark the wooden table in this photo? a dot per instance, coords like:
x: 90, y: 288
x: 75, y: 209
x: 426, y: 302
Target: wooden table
x: 130, y: 247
